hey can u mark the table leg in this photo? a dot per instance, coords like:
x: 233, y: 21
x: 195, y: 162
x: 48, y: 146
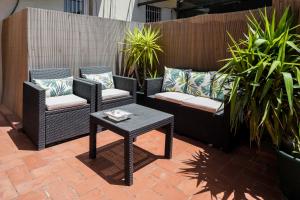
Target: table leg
x: 169, y: 140
x: 128, y: 160
x: 93, y: 140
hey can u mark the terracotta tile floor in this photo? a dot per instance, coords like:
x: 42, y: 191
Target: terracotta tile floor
x: 196, y: 171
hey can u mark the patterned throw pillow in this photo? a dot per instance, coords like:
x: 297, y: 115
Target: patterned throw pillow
x: 217, y: 91
x: 175, y: 80
x: 106, y: 79
x: 199, y: 84
x: 56, y: 87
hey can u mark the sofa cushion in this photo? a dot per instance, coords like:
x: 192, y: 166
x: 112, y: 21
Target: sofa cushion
x: 66, y: 101
x: 114, y: 93
x: 199, y: 84
x: 106, y: 79
x: 204, y: 104
x: 175, y: 97
x: 220, y: 87
x: 56, y: 87
x: 175, y: 80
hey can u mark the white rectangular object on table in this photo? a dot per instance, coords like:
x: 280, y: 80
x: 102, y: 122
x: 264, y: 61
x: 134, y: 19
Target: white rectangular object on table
x: 117, y: 115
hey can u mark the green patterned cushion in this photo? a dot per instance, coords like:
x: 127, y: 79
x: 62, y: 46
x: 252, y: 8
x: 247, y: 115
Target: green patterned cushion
x: 56, y: 87
x: 106, y: 79
x: 175, y: 80
x: 199, y: 84
x: 217, y: 91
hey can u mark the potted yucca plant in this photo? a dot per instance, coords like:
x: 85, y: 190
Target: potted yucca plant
x: 141, y: 53
x: 266, y: 90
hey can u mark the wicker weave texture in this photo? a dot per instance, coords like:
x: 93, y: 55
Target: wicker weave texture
x: 143, y: 120
x: 201, y: 125
x: 49, y: 73
x: 123, y: 83
x: 47, y: 127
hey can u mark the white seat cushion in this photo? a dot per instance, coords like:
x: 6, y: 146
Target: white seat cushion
x: 66, y: 101
x: 203, y: 103
x: 175, y: 97
x: 114, y: 93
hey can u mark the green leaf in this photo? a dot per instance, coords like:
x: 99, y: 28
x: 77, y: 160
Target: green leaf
x: 292, y: 44
x: 259, y: 42
x: 298, y: 75
x: 266, y: 89
x: 288, y: 81
x: 274, y: 65
x: 266, y: 112
x: 283, y: 20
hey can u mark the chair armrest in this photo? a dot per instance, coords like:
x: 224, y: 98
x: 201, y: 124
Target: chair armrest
x: 98, y: 94
x: 126, y: 83
x: 153, y: 86
x: 34, y: 99
x: 86, y: 90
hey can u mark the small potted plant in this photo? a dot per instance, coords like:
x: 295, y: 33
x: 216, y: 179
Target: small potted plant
x: 141, y: 54
x: 266, y: 90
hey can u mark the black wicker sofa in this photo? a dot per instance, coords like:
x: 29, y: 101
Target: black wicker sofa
x: 46, y: 126
x: 210, y: 128
x: 123, y: 84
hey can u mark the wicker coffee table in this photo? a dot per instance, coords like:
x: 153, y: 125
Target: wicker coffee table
x: 142, y: 121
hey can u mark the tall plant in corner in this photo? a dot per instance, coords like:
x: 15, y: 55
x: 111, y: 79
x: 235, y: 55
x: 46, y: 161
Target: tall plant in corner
x: 141, y: 52
x: 266, y: 88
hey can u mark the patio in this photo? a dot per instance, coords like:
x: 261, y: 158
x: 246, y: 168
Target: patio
x: 196, y: 171
x: 62, y: 72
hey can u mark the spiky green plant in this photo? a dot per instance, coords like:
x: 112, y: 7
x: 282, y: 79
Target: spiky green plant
x: 141, y: 52
x: 265, y: 68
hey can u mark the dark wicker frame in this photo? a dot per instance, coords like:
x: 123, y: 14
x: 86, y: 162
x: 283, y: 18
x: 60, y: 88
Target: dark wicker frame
x: 46, y: 127
x: 149, y: 120
x: 123, y: 83
x: 201, y: 125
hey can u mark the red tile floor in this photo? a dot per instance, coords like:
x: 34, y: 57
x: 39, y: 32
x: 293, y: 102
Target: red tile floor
x: 196, y: 171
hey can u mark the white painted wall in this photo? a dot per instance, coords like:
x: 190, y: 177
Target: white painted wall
x: 167, y: 14
x: 127, y: 10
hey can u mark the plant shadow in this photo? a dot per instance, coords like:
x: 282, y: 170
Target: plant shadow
x: 109, y: 163
x: 241, y: 175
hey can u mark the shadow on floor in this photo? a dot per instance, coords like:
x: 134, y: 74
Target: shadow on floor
x: 232, y: 176
x: 21, y: 140
x: 109, y: 163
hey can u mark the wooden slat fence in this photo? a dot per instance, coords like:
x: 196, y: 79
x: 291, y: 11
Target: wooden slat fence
x: 36, y: 38
x: 200, y: 42
x: 14, y: 60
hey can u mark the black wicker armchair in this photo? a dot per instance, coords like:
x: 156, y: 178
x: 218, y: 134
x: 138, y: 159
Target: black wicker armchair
x: 207, y: 127
x: 121, y: 83
x: 50, y: 126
